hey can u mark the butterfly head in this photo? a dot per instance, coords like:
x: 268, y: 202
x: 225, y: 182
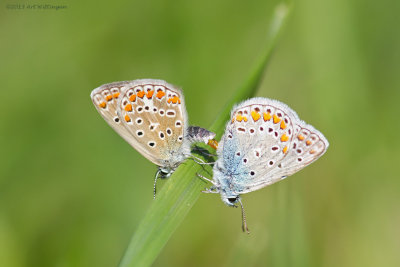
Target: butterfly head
x: 165, y: 172
x: 168, y: 166
x: 229, y: 198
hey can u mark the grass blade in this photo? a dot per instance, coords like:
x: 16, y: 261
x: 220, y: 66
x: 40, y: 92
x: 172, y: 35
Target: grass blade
x: 183, y: 188
x: 249, y: 87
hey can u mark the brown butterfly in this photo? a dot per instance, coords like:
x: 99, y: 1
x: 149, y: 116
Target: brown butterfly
x: 151, y: 116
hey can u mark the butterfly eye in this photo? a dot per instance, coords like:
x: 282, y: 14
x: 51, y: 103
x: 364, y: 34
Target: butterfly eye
x: 165, y: 173
x: 232, y: 200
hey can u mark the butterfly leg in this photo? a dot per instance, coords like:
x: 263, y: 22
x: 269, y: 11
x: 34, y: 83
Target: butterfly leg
x: 203, y: 151
x: 205, y: 178
x: 200, y: 161
x: 212, y: 190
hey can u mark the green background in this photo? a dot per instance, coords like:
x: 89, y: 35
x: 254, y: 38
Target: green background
x: 72, y: 192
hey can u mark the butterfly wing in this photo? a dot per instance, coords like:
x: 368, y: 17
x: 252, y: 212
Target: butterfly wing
x: 257, y: 147
x: 105, y: 99
x: 307, y: 146
x: 154, y: 114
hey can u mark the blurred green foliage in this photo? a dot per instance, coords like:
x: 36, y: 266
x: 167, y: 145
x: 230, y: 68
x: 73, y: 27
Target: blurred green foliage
x: 72, y: 192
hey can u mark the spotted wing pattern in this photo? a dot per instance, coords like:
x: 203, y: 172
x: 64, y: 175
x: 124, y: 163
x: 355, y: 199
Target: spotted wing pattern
x: 264, y: 142
x: 151, y: 116
x: 154, y: 113
x: 105, y: 99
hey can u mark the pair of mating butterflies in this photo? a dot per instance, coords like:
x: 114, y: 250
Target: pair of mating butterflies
x: 264, y: 141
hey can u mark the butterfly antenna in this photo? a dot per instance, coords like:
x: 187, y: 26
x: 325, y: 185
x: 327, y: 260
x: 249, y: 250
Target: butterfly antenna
x: 244, y: 223
x: 155, y: 182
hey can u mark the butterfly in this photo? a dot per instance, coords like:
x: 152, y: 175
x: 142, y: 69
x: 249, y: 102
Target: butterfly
x: 263, y: 143
x: 151, y: 116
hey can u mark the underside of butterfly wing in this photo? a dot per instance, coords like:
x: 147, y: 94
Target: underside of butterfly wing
x: 262, y: 145
x: 154, y: 113
x: 105, y: 98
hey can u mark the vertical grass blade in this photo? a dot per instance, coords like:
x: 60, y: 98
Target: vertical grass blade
x: 183, y: 188
x: 249, y: 87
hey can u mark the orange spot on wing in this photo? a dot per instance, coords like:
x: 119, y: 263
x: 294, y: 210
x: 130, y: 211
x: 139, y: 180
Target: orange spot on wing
x: 276, y: 119
x: 256, y: 116
x: 267, y: 116
x: 283, y: 125
x: 300, y: 137
x: 116, y: 95
x: 240, y: 118
x: 312, y: 151
x: 128, y: 107
x: 285, y: 150
x: 132, y: 98
x: 174, y: 100
x: 149, y: 94
x: 109, y: 97
x: 308, y: 142
x: 213, y: 143
x: 160, y: 94
x: 103, y: 105
x: 284, y: 138
x: 140, y: 94
x: 127, y: 118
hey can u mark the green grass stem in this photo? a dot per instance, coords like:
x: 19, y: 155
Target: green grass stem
x: 183, y: 188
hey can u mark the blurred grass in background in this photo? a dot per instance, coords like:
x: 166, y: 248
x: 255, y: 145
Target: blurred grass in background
x: 72, y: 192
